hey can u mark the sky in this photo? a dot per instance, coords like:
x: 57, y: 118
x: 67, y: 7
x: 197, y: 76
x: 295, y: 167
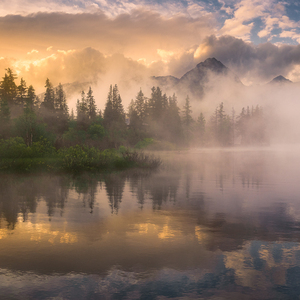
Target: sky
x: 102, y: 41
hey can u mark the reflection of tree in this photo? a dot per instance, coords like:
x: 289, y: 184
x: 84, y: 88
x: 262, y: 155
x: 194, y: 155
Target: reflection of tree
x: 28, y: 192
x: 162, y: 188
x: 159, y: 187
x: 251, y: 172
x: 187, y: 186
x: 229, y: 232
x: 20, y: 194
x: 63, y: 192
x: 137, y: 186
x: 9, y: 207
x: 114, y: 185
x: 55, y: 193
x: 86, y: 185
x: 137, y: 180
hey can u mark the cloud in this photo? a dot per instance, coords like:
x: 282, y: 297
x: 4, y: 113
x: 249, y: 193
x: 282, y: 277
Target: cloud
x: 241, y: 24
x: 270, y: 16
x: 156, y: 38
x: 84, y: 68
x: 111, y: 8
x: 136, y: 35
x: 277, y: 19
x: 14, y: 7
x: 33, y: 51
x: 252, y: 63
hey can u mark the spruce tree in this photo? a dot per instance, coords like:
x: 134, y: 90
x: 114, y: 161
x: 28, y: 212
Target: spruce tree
x: 31, y: 99
x: 200, y: 129
x: 21, y: 95
x: 82, y: 112
x: 108, y: 110
x: 140, y: 105
x: 60, y: 100
x: 61, y: 109
x: 49, y: 99
x: 187, y: 119
x: 8, y: 87
x: 92, y: 108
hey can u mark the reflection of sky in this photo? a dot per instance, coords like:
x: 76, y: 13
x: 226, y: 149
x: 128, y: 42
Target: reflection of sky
x: 259, y: 270
x: 216, y: 219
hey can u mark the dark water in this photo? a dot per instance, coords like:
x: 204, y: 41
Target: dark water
x: 208, y: 225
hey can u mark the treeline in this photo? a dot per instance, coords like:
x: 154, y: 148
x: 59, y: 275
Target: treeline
x: 157, y: 118
x: 161, y: 118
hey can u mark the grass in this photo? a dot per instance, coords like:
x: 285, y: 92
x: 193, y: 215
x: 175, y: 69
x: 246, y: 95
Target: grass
x: 16, y: 156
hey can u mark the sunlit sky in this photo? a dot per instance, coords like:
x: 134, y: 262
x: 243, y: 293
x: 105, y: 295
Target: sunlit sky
x: 82, y: 41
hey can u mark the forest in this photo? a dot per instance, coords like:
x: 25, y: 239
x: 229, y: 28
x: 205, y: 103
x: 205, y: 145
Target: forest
x: 38, y: 130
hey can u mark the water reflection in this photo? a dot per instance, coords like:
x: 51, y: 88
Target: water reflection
x: 215, y: 224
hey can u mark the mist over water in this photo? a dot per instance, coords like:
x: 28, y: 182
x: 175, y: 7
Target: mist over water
x: 209, y: 223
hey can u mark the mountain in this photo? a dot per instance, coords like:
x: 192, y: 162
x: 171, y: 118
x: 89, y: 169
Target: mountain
x: 280, y: 79
x: 166, y: 80
x: 200, y: 79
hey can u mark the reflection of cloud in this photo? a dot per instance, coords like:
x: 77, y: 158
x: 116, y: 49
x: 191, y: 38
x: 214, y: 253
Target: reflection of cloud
x: 167, y: 233
x: 3, y: 233
x: 200, y: 234
x: 40, y: 232
x: 68, y: 238
x: 274, y: 260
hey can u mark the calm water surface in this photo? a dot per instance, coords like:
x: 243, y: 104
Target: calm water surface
x: 209, y: 224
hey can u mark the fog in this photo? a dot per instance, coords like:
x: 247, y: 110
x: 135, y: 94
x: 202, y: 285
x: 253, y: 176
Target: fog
x: 280, y: 101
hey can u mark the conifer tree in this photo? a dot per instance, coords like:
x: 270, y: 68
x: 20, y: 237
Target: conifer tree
x: 31, y: 99
x: 200, y: 128
x: 8, y: 87
x: 187, y: 119
x: 172, y: 120
x: 118, y: 110
x: 92, y: 108
x: 60, y: 100
x: 82, y: 112
x: 140, y: 105
x: 49, y: 99
x: 21, y: 95
x: 4, y: 112
x: 108, y: 111
x: 114, y: 117
x: 61, y: 109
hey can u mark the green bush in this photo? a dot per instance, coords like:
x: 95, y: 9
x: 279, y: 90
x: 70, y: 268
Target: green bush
x: 144, y: 143
x: 96, y: 132
x: 14, y: 148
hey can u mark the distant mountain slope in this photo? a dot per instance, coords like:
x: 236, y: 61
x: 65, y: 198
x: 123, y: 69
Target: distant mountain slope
x: 280, y: 79
x: 197, y: 81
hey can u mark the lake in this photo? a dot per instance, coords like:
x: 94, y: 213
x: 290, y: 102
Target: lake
x: 208, y: 224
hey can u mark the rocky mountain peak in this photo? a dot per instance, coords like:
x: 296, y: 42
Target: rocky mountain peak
x: 212, y: 64
x: 280, y: 79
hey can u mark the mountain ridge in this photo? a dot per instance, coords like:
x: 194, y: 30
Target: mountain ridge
x: 196, y: 81
x: 280, y: 79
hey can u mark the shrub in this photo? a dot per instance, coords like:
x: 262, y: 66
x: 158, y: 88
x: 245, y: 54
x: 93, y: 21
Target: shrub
x: 144, y: 143
x: 14, y: 148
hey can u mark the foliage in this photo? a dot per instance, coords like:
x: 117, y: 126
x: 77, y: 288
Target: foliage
x: 29, y: 129
x: 96, y: 131
x: 144, y: 143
